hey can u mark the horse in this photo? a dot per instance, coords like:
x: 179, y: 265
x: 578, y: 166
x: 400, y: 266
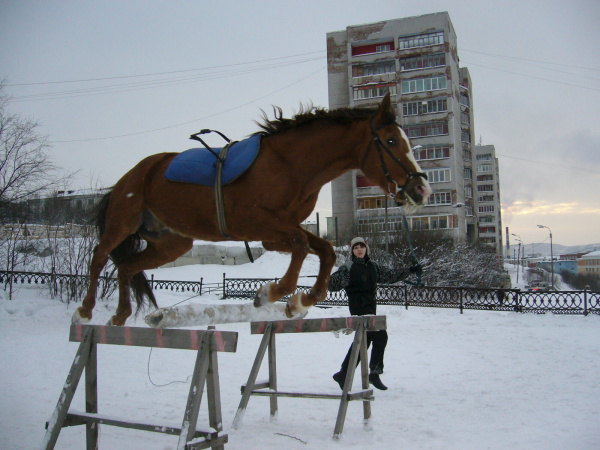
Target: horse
x: 267, y: 203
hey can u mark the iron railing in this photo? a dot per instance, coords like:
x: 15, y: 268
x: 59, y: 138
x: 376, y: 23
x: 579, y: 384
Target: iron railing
x: 559, y: 302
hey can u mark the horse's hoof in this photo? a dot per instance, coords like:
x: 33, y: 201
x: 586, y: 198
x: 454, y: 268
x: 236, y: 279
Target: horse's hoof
x: 78, y: 319
x: 154, y: 319
x: 294, y: 305
x: 262, y: 296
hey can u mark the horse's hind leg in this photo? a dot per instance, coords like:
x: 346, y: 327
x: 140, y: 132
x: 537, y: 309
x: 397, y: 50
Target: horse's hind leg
x: 159, y: 251
x: 99, y: 260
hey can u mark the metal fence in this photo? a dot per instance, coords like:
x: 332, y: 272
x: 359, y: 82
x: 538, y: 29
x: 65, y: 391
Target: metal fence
x: 559, y: 302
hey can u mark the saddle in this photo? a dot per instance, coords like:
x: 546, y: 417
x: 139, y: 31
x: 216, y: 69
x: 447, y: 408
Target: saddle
x: 199, y: 165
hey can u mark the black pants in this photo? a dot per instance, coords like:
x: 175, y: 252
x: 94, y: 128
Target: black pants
x: 379, y: 340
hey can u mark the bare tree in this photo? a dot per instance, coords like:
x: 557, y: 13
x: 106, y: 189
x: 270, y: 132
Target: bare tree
x: 25, y: 168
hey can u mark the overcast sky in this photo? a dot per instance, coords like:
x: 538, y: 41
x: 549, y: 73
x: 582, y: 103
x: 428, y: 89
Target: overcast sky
x: 114, y: 81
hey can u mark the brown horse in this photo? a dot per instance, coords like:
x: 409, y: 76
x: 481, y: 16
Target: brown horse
x: 267, y: 203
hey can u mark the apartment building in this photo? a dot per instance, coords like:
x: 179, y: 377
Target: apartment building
x: 415, y: 60
x: 487, y: 197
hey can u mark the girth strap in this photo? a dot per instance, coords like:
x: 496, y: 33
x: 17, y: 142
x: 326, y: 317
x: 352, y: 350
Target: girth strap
x: 219, y: 191
x: 219, y: 197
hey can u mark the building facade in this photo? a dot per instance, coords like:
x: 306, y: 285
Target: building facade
x: 487, y: 197
x: 415, y: 60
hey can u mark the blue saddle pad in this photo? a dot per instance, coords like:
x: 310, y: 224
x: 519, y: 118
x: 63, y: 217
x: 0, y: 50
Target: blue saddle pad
x: 198, y: 165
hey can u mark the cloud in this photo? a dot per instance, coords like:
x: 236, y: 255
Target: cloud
x: 540, y: 207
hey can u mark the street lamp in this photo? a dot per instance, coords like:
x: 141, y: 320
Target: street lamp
x: 551, y: 254
x: 518, y: 253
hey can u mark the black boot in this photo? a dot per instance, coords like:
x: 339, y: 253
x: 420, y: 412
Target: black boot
x: 376, y: 381
x: 340, y: 378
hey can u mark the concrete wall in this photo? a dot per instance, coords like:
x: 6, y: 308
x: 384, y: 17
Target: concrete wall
x: 216, y: 254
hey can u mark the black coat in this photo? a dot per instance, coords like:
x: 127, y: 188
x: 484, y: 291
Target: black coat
x: 359, y: 278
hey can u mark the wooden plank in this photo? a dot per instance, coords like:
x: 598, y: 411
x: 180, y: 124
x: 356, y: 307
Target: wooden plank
x: 372, y: 323
x: 55, y: 423
x: 272, y: 357
x: 213, y: 396
x: 91, y: 397
x: 214, y: 441
x: 359, y: 338
x: 222, y: 341
x: 190, y: 417
x: 264, y: 343
x: 257, y: 385
x: 359, y: 395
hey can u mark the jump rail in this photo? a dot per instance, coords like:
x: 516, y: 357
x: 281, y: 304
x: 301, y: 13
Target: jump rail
x: 359, y: 324
x: 206, y: 342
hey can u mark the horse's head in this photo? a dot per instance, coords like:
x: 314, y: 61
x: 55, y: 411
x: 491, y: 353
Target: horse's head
x: 389, y: 160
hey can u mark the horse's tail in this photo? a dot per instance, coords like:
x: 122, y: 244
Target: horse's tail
x: 131, y: 246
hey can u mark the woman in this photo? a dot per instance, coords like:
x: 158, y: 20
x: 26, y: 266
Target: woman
x: 359, y: 277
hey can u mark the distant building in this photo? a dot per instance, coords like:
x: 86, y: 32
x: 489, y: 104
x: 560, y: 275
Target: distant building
x: 68, y: 206
x: 415, y: 60
x: 589, y: 264
x: 487, y: 197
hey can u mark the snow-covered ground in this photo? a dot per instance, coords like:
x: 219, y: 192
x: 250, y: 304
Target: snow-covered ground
x: 483, y: 379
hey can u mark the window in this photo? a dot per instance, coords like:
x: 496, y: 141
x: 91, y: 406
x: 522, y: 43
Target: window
x: 484, y: 157
x: 432, y: 152
x: 469, y: 191
x: 432, y: 222
x: 465, y: 118
x: 486, y: 219
x: 465, y: 136
x: 483, y: 168
x: 438, y: 128
x: 440, y: 198
x: 421, y: 40
x: 486, y: 208
x: 373, y: 91
x: 464, y: 100
x: 423, y: 61
x: 437, y: 175
x: 487, y: 229
x: 486, y: 198
x: 485, y: 177
x: 425, y: 107
x: 366, y: 49
x: 378, y: 68
x: 424, y: 84
x: 485, y: 188
x: 468, y: 173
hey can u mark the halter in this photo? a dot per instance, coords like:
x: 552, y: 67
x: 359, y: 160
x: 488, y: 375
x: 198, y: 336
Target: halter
x: 382, y: 147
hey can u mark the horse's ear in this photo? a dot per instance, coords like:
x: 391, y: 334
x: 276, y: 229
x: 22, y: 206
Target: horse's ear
x: 385, y: 114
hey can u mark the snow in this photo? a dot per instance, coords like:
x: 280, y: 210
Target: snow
x: 482, y: 379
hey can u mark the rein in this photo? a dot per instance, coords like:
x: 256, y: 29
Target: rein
x: 381, y: 147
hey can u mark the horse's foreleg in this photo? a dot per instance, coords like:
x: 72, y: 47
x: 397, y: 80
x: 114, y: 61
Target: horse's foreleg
x: 301, y: 301
x: 298, y: 246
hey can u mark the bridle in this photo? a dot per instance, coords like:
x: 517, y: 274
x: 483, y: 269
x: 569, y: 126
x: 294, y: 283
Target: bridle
x: 381, y: 147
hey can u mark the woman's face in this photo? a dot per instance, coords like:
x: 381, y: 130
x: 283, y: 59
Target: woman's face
x: 359, y: 250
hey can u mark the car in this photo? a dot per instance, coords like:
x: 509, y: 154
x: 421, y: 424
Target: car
x: 538, y: 286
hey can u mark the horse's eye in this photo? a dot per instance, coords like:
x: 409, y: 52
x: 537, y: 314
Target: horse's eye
x: 392, y: 141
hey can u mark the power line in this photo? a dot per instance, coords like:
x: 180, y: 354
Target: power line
x: 546, y: 163
x: 117, y: 77
x: 151, y: 84
x: 193, y: 120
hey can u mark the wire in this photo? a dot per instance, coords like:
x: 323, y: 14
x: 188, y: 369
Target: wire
x: 116, y: 77
x: 165, y: 384
x: 137, y: 133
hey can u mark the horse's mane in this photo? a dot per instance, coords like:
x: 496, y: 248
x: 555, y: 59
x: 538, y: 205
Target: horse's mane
x: 311, y: 114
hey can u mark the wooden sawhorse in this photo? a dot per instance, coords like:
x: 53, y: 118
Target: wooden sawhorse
x: 206, y: 342
x: 360, y: 324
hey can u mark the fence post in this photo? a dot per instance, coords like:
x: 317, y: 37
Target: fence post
x: 405, y: 296
x: 460, y: 295
x: 152, y: 281
x: 585, y: 306
x: 224, y: 295
x: 201, y: 280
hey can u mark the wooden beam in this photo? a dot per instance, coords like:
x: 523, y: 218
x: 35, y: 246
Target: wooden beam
x: 372, y: 323
x: 221, y: 341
